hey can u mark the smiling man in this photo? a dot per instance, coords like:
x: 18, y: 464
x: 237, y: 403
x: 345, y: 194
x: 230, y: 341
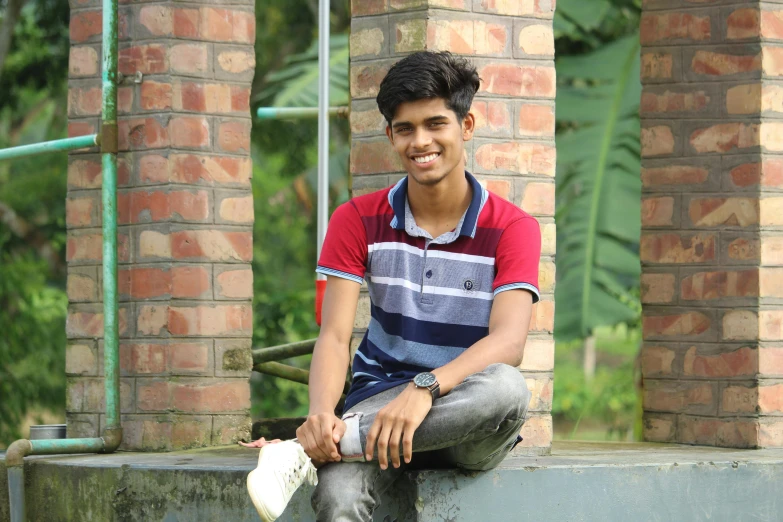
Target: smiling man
x: 452, y: 273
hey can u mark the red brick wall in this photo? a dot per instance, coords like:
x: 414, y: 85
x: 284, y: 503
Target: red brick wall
x: 513, y: 151
x: 185, y: 212
x: 711, y: 211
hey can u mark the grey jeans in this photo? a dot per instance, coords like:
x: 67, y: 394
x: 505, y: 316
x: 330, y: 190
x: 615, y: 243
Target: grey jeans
x: 473, y: 427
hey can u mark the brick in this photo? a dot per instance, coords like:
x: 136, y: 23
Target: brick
x: 85, y: 25
x: 80, y: 128
x: 657, y: 288
x: 156, y: 19
x: 210, y: 320
x: 739, y: 399
x: 87, y: 395
x: 372, y: 157
x: 771, y: 282
x: 772, y: 62
x: 81, y: 287
x: 743, y: 249
x: 234, y: 136
x: 143, y: 359
x: 711, y: 212
x: 686, y: 324
x: 540, y: 393
x: 191, y: 282
x: 677, y: 249
x: 452, y: 35
x: 367, y: 7
x: 771, y: 211
x: 79, y: 211
x: 739, y: 433
x: 151, y: 206
x: 536, y: 40
x: 666, y: 27
x: 154, y: 244
x: 142, y: 134
x: 366, y: 79
x: 367, y: 121
x: 144, y: 283
x: 515, y: 158
x: 189, y: 59
x: 83, y: 61
x: 211, y: 397
x: 770, y: 433
x: 657, y: 141
x: 770, y: 398
x: 536, y: 433
x: 770, y: 360
x: 543, y: 316
x: 492, y: 118
x: 151, y: 319
x: 548, y: 238
x: 190, y: 358
x: 771, y: 98
x: 492, y: 39
x: 546, y: 276
x: 659, y: 427
x: 152, y: 395
x: 201, y: 97
x: 657, y: 360
x: 236, y: 61
x: 236, y: 210
x: 772, y: 250
x: 189, y: 132
x: 674, y: 175
x: 742, y: 362
x: 147, y: 59
x: 81, y: 359
x: 657, y: 66
x: 233, y: 358
x: 743, y: 23
x: 538, y: 355
x: 703, y: 286
x: 82, y: 425
x: 221, y: 170
x: 680, y: 396
x: 536, y: 120
x: 191, y: 431
x: 725, y: 137
x: 674, y: 101
x: 234, y: 284
x: 229, y: 429
x: 83, y: 323
x: 225, y: 25
x: 657, y: 212
x: 744, y: 99
x: 771, y: 325
x: 367, y: 42
x: 186, y: 23
x: 518, y: 80
x: 739, y: 325
x: 84, y: 102
x: 539, y: 199
x: 499, y: 187
x: 155, y: 96
x: 89, y: 247
x: 771, y: 25
x: 710, y: 63
x: 531, y: 8
x: 125, y: 100
x: 214, y: 245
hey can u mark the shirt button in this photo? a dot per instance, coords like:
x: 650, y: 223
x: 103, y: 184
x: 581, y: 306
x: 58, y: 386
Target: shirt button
x: 429, y: 274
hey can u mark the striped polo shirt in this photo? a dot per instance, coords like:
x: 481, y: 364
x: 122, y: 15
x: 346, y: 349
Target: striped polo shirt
x: 430, y: 298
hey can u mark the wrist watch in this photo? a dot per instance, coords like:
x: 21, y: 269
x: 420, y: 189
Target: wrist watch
x: 429, y: 381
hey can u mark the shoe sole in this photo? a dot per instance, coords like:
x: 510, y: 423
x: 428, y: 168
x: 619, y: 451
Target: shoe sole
x: 257, y: 502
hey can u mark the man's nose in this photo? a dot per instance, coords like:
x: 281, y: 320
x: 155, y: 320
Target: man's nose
x: 421, y: 139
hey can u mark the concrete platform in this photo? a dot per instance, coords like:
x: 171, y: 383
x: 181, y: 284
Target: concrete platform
x: 579, y: 481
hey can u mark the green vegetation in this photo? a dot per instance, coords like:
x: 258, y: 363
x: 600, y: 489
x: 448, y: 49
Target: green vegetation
x: 598, y: 165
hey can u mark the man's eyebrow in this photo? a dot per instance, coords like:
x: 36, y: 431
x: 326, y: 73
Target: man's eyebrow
x: 431, y: 119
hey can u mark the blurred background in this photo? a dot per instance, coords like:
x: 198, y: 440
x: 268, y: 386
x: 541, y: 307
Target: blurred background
x: 596, y: 386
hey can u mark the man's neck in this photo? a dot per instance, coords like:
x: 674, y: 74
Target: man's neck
x: 438, y: 208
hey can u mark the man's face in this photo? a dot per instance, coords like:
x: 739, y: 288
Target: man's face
x: 429, y: 139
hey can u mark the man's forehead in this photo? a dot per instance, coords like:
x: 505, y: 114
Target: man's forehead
x: 420, y: 110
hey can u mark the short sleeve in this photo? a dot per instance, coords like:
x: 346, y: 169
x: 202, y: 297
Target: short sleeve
x: 344, y: 252
x: 517, y: 257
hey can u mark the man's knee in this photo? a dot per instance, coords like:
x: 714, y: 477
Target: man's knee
x: 505, y: 385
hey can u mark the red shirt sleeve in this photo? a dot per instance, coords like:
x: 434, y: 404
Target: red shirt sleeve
x: 517, y: 257
x: 344, y: 252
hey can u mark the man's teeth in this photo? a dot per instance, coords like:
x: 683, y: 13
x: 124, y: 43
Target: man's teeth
x: 425, y: 159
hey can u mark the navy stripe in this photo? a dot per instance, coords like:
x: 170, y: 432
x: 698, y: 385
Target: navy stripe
x: 428, y: 332
x: 338, y: 273
x: 471, y: 216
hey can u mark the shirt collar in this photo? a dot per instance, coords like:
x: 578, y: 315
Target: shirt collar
x: 398, y: 196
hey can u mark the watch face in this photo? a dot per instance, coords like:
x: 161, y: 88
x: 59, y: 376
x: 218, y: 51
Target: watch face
x: 425, y: 379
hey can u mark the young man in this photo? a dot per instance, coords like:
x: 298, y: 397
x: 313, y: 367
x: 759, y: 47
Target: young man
x: 452, y: 273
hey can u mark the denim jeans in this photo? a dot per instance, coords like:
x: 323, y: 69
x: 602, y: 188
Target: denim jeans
x: 473, y: 428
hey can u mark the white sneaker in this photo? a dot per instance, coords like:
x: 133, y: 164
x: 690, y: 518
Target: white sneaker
x: 282, y: 468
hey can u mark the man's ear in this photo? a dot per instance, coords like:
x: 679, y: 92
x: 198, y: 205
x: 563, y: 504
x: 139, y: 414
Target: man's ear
x: 389, y: 134
x: 468, y: 126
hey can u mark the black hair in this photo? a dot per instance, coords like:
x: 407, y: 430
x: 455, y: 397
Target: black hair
x: 426, y: 75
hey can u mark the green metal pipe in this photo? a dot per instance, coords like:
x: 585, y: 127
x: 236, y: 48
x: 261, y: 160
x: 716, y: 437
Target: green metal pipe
x: 297, y: 113
x: 63, y: 145
x: 284, y: 351
x: 290, y: 373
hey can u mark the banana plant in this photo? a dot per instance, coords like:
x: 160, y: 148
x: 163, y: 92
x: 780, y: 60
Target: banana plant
x: 598, y: 188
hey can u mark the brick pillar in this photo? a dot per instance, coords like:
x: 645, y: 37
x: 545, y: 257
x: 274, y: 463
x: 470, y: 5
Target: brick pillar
x: 712, y: 211
x: 513, y: 151
x: 185, y: 213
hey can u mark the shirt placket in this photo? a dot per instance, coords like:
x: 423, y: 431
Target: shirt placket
x: 425, y: 298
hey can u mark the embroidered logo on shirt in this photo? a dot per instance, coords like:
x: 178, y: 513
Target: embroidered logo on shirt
x: 468, y: 285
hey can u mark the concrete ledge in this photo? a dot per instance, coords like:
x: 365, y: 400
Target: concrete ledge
x: 579, y: 481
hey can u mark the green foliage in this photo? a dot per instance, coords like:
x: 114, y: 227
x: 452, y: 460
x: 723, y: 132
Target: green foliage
x: 598, y: 188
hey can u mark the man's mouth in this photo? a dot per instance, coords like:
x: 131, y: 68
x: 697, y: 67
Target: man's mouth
x: 426, y: 159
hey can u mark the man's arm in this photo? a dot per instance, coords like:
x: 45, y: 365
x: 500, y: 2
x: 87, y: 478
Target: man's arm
x: 509, y: 322
x: 322, y: 431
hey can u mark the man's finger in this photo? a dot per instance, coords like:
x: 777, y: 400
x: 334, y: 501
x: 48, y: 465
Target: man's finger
x: 394, y: 444
x: 407, y: 443
x: 327, y: 442
x: 338, y: 431
x: 372, y: 436
x: 383, y: 445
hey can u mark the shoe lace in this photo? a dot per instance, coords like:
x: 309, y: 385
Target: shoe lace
x: 294, y: 476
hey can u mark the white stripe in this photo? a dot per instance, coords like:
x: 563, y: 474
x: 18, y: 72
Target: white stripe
x: 338, y: 273
x: 454, y: 256
x: 366, y: 360
x: 434, y: 290
x: 517, y: 286
x: 373, y: 377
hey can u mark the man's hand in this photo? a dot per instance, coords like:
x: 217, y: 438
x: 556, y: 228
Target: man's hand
x: 319, y: 436
x: 397, y: 421
x: 260, y: 443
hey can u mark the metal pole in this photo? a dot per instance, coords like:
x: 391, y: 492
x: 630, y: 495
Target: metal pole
x: 284, y: 351
x: 63, y: 145
x: 296, y: 113
x: 323, y: 122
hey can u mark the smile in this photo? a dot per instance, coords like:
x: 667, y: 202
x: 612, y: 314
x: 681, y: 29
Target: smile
x: 426, y: 159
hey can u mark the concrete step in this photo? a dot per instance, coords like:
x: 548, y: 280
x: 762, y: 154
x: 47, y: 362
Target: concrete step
x: 579, y: 481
